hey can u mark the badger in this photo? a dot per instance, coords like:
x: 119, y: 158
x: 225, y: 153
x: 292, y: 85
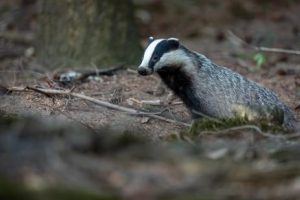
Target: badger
x: 208, y: 89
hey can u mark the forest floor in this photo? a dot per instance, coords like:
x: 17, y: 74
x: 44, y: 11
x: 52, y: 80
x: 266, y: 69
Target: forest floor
x: 244, y: 165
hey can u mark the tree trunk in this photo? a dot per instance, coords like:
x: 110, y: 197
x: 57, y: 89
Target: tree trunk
x: 86, y: 32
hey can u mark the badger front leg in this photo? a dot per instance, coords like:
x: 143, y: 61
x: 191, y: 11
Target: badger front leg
x: 161, y: 89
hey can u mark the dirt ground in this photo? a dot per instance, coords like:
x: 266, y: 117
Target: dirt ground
x: 244, y: 165
x: 205, y: 33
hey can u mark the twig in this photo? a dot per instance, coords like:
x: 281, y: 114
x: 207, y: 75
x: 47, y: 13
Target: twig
x: 156, y: 102
x: 177, y: 103
x: 277, y: 50
x: 98, y: 102
x: 263, y: 49
x: 245, y: 127
x: 151, y: 102
x: 37, y: 90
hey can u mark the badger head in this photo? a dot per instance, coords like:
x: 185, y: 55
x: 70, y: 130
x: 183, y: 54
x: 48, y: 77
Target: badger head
x: 159, y: 54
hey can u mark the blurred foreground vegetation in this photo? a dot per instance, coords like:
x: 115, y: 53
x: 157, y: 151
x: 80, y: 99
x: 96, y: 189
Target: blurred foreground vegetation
x: 51, y: 159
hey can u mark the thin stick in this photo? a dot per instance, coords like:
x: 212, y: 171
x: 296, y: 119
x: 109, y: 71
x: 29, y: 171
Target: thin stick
x: 98, y: 102
x: 277, y: 50
x: 263, y: 49
x: 244, y: 127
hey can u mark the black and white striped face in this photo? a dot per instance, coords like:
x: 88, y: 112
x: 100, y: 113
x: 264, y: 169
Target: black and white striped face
x: 157, y: 55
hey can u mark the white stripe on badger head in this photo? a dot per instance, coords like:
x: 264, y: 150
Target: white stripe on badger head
x: 148, y: 52
x: 177, y: 58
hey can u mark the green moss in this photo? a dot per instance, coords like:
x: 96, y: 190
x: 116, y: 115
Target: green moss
x: 72, y: 194
x: 6, y: 121
x: 272, y: 114
x: 16, y: 191
x: 209, y: 124
x: 193, y: 196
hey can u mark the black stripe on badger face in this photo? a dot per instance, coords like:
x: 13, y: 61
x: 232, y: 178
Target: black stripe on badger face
x: 161, y: 48
x: 154, y: 52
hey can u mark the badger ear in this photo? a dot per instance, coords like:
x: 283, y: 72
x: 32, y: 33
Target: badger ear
x: 150, y: 39
x: 173, y: 43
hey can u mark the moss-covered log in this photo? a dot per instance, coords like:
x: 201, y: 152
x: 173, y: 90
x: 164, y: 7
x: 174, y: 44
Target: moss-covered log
x: 86, y: 32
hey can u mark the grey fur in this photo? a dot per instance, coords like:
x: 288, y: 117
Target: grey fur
x: 209, y: 89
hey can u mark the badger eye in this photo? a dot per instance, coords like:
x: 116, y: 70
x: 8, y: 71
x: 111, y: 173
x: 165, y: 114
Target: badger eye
x: 155, y: 58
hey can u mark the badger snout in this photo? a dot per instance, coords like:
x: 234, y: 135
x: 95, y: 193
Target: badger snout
x: 143, y: 71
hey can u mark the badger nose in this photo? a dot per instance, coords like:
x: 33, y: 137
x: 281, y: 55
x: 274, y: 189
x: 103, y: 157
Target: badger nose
x: 142, y: 71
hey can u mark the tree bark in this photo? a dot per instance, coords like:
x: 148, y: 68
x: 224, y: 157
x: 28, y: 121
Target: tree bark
x: 86, y: 33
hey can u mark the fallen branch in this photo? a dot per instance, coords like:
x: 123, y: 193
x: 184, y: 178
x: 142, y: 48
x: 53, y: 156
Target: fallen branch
x: 277, y: 50
x: 260, y: 48
x: 96, y: 101
x: 156, y: 102
x: 73, y: 76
